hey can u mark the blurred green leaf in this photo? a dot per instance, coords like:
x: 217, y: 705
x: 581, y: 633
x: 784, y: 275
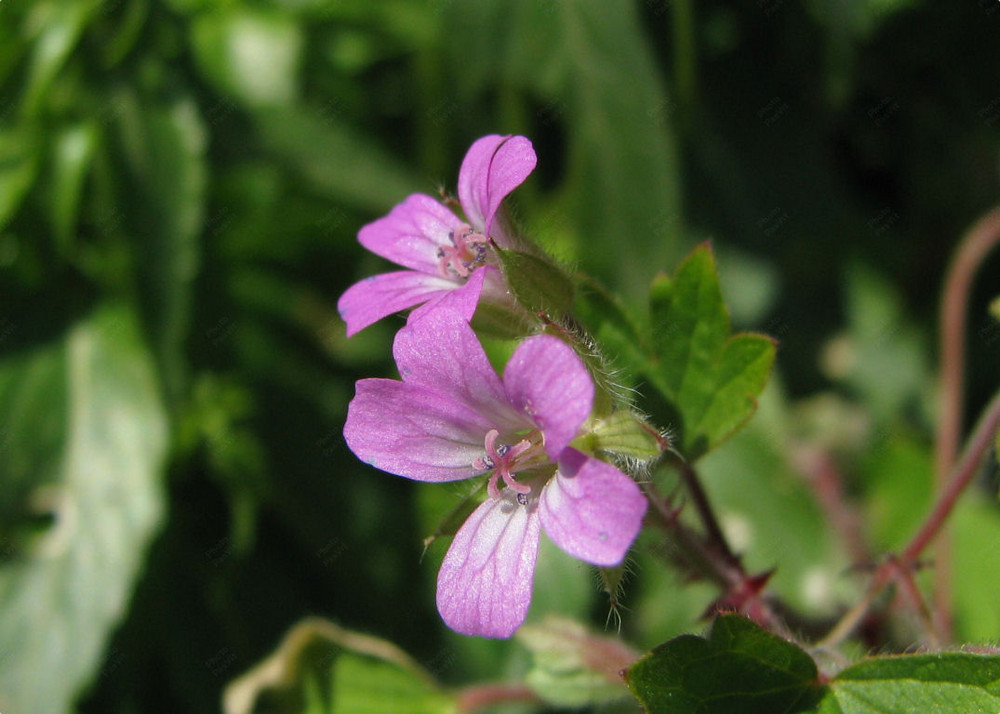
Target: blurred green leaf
x: 320, y: 667
x: 573, y: 667
x: 55, y: 26
x: 916, y: 684
x: 738, y: 668
x: 72, y: 151
x: 882, y: 355
x: 711, y: 378
x: 250, y: 55
x: 975, y: 526
x: 18, y: 168
x: 334, y: 159
x: 761, y: 495
x: 165, y: 147
x: 589, y: 63
x: 85, y: 441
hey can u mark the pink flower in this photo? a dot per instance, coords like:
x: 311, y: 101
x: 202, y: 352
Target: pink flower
x: 444, y: 254
x: 451, y: 417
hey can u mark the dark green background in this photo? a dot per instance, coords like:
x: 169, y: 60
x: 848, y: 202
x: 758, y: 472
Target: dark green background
x: 208, y: 164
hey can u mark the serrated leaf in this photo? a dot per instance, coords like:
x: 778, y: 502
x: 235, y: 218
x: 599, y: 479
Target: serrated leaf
x: 536, y: 283
x: 738, y: 668
x: 321, y: 667
x: 916, y: 684
x: 711, y: 379
x: 84, y: 444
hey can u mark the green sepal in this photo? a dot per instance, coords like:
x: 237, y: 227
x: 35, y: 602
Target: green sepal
x: 738, y: 668
x: 537, y: 284
x: 622, y: 434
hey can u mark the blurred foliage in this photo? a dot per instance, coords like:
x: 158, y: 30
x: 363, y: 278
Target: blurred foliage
x: 181, y: 184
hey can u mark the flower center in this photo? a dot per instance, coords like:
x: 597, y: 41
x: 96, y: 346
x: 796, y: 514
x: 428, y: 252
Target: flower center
x: 468, y: 250
x: 505, y: 459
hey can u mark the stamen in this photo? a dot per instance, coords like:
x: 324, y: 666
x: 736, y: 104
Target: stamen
x: 503, y: 459
x: 466, y: 253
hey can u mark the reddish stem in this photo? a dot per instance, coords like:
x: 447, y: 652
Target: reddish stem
x: 828, y: 486
x: 961, y: 475
x: 977, y: 243
x: 479, y: 696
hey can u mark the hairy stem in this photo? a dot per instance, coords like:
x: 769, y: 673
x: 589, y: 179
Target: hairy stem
x: 977, y: 243
x: 716, y: 538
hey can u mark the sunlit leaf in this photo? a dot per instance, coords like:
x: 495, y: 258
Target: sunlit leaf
x: 916, y: 684
x: 85, y: 440
x: 711, y: 378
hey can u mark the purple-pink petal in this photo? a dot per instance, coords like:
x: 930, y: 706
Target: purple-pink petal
x: 591, y: 510
x: 414, y: 432
x: 463, y: 299
x: 440, y: 352
x: 412, y: 233
x: 493, y: 167
x: 484, y: 585
x: 369, y: 300
x: 548, y: 382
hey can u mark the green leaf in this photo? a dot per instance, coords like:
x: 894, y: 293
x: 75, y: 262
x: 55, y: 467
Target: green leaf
x: 327, y: 154
x: 536, y: 283
x: 72, y: 151
x: 18, y: 168
x: 712, y: 379
x: 253, y: 56
x: 321, y: 667
x: 590, y: 65
x: 975, y: 526
x: 738, y: 668
x: 573, y: 667
x: 882, y: 354
x: 166, y: 150
x: 84, y: 445
x: 916, y: 684
x: 59, y: 24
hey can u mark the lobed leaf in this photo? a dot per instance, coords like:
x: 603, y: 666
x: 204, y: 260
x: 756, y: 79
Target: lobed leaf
x: 738, y: 668
x: 710, y: 378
